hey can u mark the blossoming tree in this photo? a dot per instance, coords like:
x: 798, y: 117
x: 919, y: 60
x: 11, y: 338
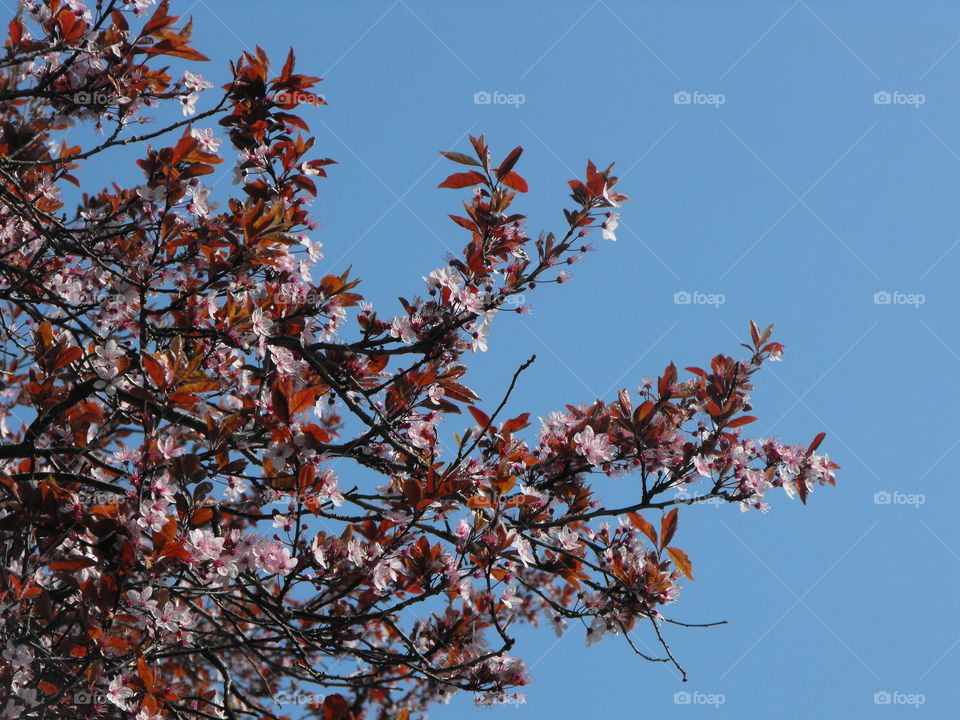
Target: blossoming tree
x: 190, y: 420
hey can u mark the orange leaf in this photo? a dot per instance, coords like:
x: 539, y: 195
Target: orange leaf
x: 644, y: 526
x: 681, y: 560
x: 303, y: 399
x: 517, y: 423
x: 165, y: 535
x: 155, y: 370
x: 67, y: 356
x: 145, y: 673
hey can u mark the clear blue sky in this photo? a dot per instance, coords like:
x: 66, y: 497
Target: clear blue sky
x: 798, y: 198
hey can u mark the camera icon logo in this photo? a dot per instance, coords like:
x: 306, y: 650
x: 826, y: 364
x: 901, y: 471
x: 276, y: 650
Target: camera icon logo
x: 882, y: 498
x: 881, y: 698
x: 482, y: 97
x: 882, y: 97
x: 682, y: 298
x: 682, y: 98
x: 681, y: 697
x: 882, y: 298
x: 83, y: 697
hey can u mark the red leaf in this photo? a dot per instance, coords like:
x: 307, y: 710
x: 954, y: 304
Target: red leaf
x: 668, y: 526
x: 742, y: 420
x: 281, y: 406
x: 412, y: 492
x: 668, y: 378
x: 73, y: 564
x: 514, y: 181
x: 463, y: 222
x: 460, y: 158
x: 159, y: 19
x: 516, y: 423
x: 480, y: 416
x: 509, y: 161
x: 816, y: 442
x: 462, y: 180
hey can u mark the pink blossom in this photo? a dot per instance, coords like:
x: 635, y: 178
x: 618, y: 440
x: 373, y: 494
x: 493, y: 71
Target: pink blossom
x: 261, y: 324
x: 235, y: 488
x: 142, y: 599
x: 118, y: 694
x: 189, y: 103
x: 274, y: 558
x: 702, y: 466
x: 107, y: 355
x: 283, y: 522
x: 195, y: 82
x: 595, y: 448
x: 318, y: 552
x: 205, y: 139
x: 168, y: 448
x: 173, y: 617
x: 610, y: 225
x: 524, y: 551
x: 153, y: 516
x: 402, y: 328
x: 386, y: 572
x: 568, y: 538
x: 204, y: 545
x: 355, y: 552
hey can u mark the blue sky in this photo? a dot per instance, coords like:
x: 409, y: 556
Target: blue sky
x: 815, y: 166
